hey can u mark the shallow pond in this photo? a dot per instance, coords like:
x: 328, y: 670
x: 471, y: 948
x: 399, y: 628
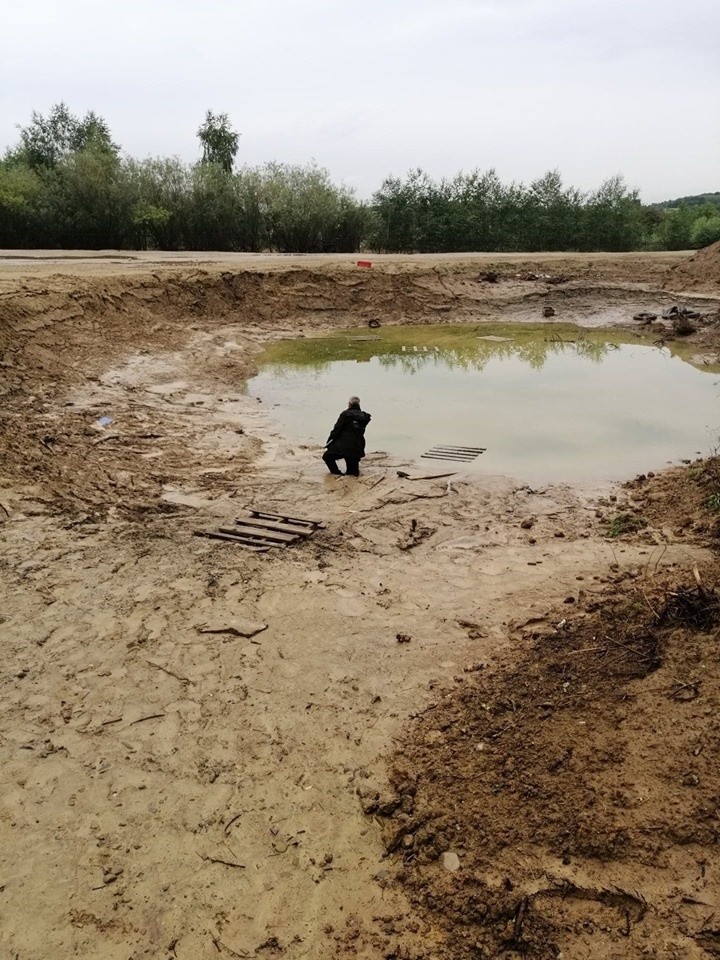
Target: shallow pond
x: 548, y: 401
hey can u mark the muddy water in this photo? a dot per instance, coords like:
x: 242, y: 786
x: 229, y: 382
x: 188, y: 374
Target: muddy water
x: 548, y: 401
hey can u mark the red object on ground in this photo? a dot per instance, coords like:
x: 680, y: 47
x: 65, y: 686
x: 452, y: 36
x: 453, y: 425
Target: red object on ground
x: 364, y: 263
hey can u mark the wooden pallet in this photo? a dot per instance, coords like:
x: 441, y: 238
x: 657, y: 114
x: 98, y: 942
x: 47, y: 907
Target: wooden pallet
x: 456, y: 454
x: 260, y: 530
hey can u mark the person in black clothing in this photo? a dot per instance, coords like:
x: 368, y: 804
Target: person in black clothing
x: 347, y: 440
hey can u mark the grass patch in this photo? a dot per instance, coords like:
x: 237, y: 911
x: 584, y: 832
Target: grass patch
x: 623, y: 523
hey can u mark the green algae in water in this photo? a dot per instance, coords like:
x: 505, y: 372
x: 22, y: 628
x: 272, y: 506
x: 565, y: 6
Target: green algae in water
x: 549, y: 401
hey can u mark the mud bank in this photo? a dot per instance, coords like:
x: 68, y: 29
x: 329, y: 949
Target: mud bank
x: 170, y: 785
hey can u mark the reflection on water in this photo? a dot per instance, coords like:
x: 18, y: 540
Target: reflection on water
x: 549, y: 401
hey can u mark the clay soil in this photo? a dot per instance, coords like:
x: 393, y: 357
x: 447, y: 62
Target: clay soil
x: 208, y: 753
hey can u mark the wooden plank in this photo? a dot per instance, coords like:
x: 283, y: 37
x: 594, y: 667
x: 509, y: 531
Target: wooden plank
x: 274, y: 536
x: 212, y: 535
x: 255, y: 536
x: 275, y: 525
x: 281, y: 516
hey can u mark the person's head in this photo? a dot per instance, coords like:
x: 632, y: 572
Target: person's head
x: 354, y: 403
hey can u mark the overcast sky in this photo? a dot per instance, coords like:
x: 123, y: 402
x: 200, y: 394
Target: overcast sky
x: 373, y: 87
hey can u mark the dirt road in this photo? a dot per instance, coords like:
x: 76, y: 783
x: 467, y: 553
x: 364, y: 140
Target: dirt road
x: 184, y: 726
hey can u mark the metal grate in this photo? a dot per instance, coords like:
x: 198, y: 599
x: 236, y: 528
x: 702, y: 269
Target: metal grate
x: 456, y: 454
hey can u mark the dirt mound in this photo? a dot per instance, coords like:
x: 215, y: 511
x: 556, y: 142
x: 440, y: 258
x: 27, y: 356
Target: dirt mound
x: 699, y: 272
x: 683, y: 501
x: 567, y: 804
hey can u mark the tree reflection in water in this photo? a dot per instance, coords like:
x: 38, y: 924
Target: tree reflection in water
x: 451, y: 347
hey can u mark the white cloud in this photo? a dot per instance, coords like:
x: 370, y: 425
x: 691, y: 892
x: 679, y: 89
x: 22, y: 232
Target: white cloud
x: 590, y: 86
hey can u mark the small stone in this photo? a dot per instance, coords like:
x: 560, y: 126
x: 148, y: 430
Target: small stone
x: 527, y: 523
x: 450, y: 861
x: 569, y: 600
x: 559, y: 534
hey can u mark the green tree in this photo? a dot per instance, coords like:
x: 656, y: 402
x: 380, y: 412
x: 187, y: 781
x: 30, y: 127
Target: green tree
x: 219, y: 141
x: 304, y: 211
x: 88, y: 202
x: 46, y: 140
x: 705, y: 230
x: 677, y: 228
x: 20, y: 197
x: 149, y: 222
x: 613, y: 217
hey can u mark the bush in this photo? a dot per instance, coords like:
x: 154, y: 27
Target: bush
x: 705, y: 230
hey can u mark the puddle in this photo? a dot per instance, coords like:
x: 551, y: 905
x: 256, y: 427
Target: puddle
x: 550, y: 402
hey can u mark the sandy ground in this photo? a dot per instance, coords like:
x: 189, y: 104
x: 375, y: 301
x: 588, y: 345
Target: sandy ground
x: 172, y: 787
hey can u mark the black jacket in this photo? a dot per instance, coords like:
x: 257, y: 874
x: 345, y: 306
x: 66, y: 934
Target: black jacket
x: 347, y: 437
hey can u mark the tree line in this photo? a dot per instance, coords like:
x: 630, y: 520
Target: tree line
x: 67, y: 184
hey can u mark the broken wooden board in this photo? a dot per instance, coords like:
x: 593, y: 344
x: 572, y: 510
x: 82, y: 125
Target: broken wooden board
x: 315, y: 524
x: 260, y: 530
x: 279, y: 526
x: 217, y: 535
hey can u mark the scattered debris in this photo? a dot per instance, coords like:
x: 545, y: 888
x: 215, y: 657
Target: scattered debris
x: 403, y: 637
x: 679, y: 311
x: 548, y: 311
x: 682, y: 326
x: 416, y: 535
x: 225, y: 863
x: 431, y: 476
x: 697, y: 607
x: 238, y: 627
